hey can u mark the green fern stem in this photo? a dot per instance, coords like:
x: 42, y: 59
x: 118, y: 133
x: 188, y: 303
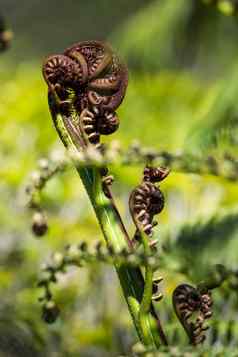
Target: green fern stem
x: 131, y: 279
x: 147, y: 293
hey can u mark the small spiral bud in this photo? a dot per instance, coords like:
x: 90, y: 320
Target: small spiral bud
x: 108, y: 123
x: 59, y: 69
x: 155, y: 174
x: 50, y: 312
x: 156, y: 202
x: 192, y: 308
x: 39, y: 224
x: 147, y: 200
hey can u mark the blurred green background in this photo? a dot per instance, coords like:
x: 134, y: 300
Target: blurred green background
x: 182, y: 97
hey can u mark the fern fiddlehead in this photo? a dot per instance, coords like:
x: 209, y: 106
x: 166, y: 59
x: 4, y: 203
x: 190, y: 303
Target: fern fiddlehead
x: 146, y: 200
x: 193, y: 305
x: 98, y: 81
x: 188, y: 301
x: 83, y: 96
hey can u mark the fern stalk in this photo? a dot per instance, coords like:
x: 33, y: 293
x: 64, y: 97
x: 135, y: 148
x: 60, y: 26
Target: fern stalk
x: 132, y: 282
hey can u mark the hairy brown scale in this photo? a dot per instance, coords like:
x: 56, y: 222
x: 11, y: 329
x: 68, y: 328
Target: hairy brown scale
x: 91, y: 126
x: 147, y: 200
x: 98, y: 55
x: 140, y: 206
x: 192, y: 308
x: 98, y: 80
x: 107, y: 76
x: 88, y: 128
x: 154, y: 174
x: 109, y: 83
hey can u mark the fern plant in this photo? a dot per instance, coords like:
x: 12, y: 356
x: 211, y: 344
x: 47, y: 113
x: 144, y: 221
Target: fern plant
x: 86, y: 84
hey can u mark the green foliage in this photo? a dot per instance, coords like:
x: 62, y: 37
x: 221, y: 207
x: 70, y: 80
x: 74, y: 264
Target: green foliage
x: 149, y: 37
x: 206, y: 243
x: 220, y: 118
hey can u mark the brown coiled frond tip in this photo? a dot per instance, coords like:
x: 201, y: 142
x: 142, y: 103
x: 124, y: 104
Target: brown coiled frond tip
x: 192, y: 308
x: 155, y: 174
x: 98, y: 76
x: 98, y: 80
x: 59, y: 69
x: 108, y: 123
x: 147, y: 200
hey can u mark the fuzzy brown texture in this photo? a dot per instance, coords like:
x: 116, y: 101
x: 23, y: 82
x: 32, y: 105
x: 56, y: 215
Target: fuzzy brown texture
x: 188, y: 302
x: 147, y: 200
x: 93, y: 79
x: 93, y: 71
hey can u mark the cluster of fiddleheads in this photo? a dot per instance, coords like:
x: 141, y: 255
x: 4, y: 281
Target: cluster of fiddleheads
x: 94, y: 80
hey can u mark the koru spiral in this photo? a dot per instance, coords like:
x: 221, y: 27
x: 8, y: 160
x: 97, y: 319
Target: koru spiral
x: 193, y: 308
x: 147, y: 200
x: 93, y: 79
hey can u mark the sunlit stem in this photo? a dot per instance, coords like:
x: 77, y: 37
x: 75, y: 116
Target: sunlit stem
x: 145, y: 305
x: 135, y: 291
